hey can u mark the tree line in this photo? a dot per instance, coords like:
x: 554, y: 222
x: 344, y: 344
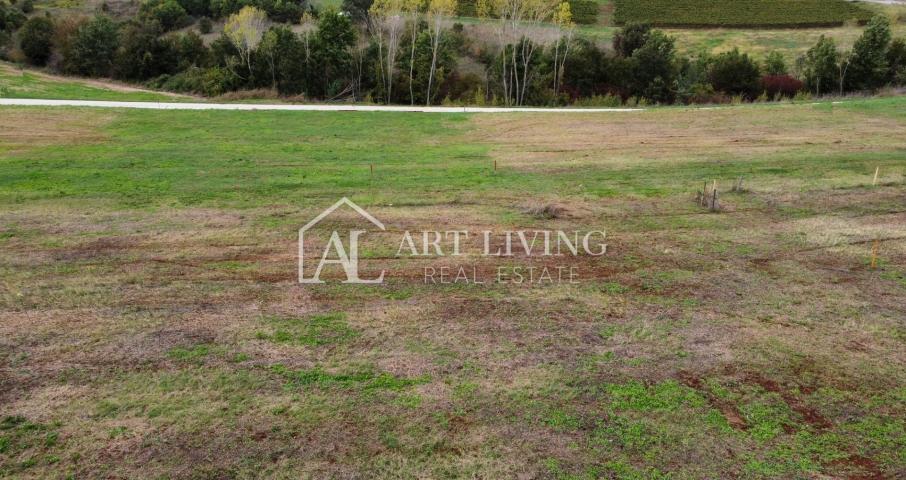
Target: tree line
x: 525, y: 52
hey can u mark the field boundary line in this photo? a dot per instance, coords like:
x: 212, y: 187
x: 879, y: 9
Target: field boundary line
x: 303, y: 108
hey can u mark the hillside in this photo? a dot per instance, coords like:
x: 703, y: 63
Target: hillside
x: 740, y: 13
x: 26, y: 83
x: 310, y: 52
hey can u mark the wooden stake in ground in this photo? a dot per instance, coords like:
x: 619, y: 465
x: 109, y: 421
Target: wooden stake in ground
x: 495, y: 165
x: 372, y: 169
x: 877, y: 171
x: 874, y: 254
x: 713, y: 206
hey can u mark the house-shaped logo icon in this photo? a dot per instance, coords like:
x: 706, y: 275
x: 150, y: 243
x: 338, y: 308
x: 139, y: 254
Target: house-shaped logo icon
x: 347, y: 258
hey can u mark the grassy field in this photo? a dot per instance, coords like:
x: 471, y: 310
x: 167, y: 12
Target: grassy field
x: 151, y: 325
x: 740, y: 13
x: 16, y: 83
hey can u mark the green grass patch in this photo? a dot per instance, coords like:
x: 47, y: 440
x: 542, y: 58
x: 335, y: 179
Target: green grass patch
x: 25, y: 444
x: 192, y: 397
x: 361, y: 379
x: 307, y: 159
x: 664, y: 396
x: 315, y: 330
x: 16, y: 84
x: 253, y: 159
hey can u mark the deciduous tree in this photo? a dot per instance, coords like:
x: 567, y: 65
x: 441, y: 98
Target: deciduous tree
x: 386, y: 22
x: 438, y: 11
x: 245, y: 30
x: 515, y: 21
x: 563, y: 19
x: 819, y: 65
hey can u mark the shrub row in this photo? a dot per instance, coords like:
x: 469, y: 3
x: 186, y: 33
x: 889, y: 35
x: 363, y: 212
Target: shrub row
x: 339, y: 59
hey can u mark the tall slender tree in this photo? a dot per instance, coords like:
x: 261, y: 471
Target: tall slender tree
x: 563, y: 19
x: 414, y: 11
x: 515, y: 22
x: 438, y: 12
x: 386, y: 22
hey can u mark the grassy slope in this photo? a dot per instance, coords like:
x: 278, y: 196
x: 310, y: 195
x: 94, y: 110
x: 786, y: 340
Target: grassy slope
x: 151, y: 324
x: 758, y: 41
x: 15, y: 83
x: 740, y: 13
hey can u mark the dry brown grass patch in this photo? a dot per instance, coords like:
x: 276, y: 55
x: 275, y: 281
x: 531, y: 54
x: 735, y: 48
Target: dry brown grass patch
x: 624, y: 139
x: 25, y: 128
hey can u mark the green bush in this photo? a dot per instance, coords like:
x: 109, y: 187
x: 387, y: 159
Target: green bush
x: 735, y: 73
x: 191, y: 51
x: 210, y: 82
x: 775, y: 64
x: 740, y: 13
x: 92, y: 49
x: 606, y: 101
x: 36, y: 39
x: 896, y: 60
x: 285, y: 11
x: 629, y: 38
x: 205, y: 26
x: 654, y: 68
x: 196, y: 7
x: 11, y: 18
x: 144, y: 54
x: 868, y: 69
x: 225, y: 8
x: 168, y: 13
x: 819, y: 67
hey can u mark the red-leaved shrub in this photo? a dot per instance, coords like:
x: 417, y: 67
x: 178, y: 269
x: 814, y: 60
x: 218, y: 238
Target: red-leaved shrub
x: 783, y: 85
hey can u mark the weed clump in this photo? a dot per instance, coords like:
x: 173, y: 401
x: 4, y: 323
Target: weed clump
x: 547, y: 211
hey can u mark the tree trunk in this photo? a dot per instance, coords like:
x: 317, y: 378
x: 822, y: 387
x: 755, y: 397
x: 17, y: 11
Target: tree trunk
x: 435, y: 45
